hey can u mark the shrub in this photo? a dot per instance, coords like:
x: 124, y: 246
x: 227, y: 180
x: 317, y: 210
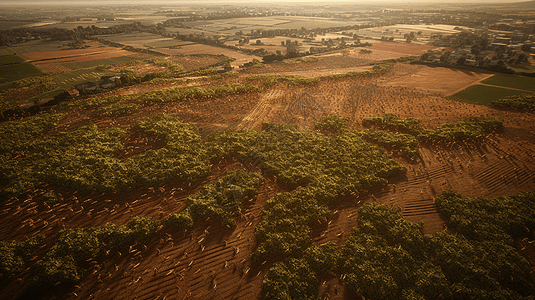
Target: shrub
x: 14, y: 255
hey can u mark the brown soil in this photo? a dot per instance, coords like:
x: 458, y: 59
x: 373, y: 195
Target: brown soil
x: 443, y: 81
x: 95, y: 48
x: 207, y: 49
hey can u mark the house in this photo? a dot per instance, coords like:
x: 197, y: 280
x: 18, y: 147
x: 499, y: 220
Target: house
x: 471, y: 62
x: 73, y: 92
x: 102, y: 83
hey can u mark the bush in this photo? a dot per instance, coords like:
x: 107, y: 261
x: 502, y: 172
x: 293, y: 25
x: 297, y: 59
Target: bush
x: 521, y: 102
x: 291, y: 279
x: 219, y: 198
x: 14, y: 255
x: 64, y: 261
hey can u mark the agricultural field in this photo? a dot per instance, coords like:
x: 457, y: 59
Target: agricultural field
x: 18, y: 71
x: 494, y: 88
x: 231, y: 26
x: 10, y: 59
x: 222, y: 254
x: 483, y: 94
x: 354, y: 173
x: 196, y: 49
x: 144, y: 40
x: 444, y: 81
x: 398, y: 31
x: 513, y: 82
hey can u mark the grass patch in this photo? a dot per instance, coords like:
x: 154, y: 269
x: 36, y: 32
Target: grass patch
x: 516, y: 82
x: 10, y: 59
x: 6, y: 51
x: 18, y: 71
x: 482, y: 94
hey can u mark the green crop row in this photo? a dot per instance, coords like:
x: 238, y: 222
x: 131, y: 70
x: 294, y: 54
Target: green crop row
x: 169, y: 95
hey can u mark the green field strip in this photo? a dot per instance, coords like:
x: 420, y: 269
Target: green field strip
x: 483, y: 94
x: 511, y: 81
x: 18, y: 71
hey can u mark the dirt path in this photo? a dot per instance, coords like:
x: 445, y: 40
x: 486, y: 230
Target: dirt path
x: 440, y: 80
x: 473, y: 83
x: 261, y: 110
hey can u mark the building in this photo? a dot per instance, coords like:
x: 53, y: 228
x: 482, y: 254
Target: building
x: 73, y: 92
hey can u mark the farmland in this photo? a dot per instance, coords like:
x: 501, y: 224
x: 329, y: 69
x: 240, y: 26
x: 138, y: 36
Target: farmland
x: 484, y: 94
x: 18, y: 71
x: 209, y: 172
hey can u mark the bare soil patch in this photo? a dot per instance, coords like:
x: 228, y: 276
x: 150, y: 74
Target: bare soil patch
x: 95, y: 47
x: 444, y: 81
x: 207, y: 49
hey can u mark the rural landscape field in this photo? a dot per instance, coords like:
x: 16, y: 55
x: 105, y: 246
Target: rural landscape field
x: 270, y: 151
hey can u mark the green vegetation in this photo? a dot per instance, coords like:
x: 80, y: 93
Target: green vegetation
x: 521, y: 102
x: 405, y: 134
x: 162, y: 62
x: 405, y: 143
x: 321, y: 167
x: 483, y: 94
x: 218, y: 199
x: 17, y: 135
x: 18, y: 71
x: 10, y: 59
x: 393, y: 123
x: 18, y: 90
x: 510, y: 81
x: 332, y: 124
x: 499, y: 219
x: 471, y: 128
x: 84, y: 159
x: 170, y: 95
x: 290, y: 279
x: 14, y: 255
x: 64, y: 262
x: 387, y: 257
x: 67, y: 80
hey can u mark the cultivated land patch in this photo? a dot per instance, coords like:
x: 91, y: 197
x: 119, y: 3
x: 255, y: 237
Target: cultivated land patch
x: 207, y: 49
x: 444, y: 81
x: 510, y: 81
x: 10, y: 59
x: 483, y: 94
x: 18, y: 71
x: 42, y: 55
x: 211, y: 261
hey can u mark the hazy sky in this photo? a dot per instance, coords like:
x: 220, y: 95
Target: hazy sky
x: 249, y: 2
